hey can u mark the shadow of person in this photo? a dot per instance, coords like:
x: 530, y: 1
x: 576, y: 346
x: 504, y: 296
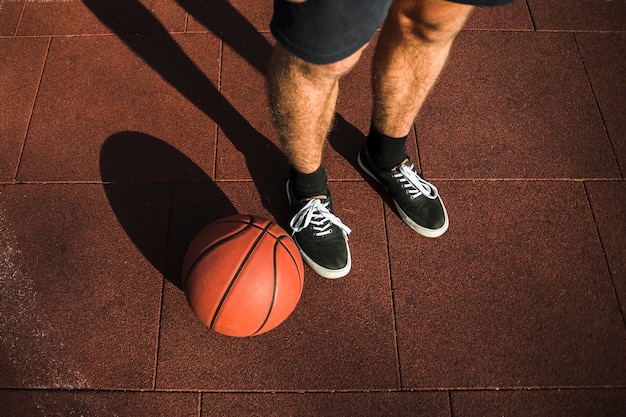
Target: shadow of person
x: 165, y: 56
x: 158, y: 195
x: 220, y: 17
x: 346, y: 140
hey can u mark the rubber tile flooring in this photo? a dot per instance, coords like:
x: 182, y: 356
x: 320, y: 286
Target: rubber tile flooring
x: 127, y: 125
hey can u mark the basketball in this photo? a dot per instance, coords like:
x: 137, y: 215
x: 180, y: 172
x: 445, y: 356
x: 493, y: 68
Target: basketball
x: 242, y: 275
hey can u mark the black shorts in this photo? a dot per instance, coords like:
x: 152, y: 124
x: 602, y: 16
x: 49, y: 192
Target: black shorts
x: 327, y: 31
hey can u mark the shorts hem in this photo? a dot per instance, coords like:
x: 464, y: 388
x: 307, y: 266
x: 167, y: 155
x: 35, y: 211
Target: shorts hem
x: 484, y: 3
x: 313, y: 58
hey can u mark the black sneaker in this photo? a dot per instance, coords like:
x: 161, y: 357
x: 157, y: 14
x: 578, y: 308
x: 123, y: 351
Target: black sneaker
x: 417, y: 200
x: 320, y: 235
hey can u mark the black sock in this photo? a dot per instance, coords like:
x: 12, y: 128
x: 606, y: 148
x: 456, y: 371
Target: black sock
x: 308, y: 185
x: 386, y: 152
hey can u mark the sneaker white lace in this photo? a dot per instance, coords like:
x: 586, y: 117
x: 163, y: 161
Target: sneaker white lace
x: 418, y: 201
x: 316, y: 213
x: 414, y: 184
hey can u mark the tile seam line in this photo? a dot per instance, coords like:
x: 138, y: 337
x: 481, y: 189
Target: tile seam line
x: 196, y: 32
x: 200, y: 32
x: 19, y: 21
x: 532, y: 17
x: 450, y: 405
x: 96, y: 34
x: 155, y: 373
x: 495, y: 30
x: 329, y: 390
x: 130, y: 32
x: 159, y: 326
x: 393, y: 302
x: 570, y: 30
x: 340, y: 180
x: 599, y: 110
x: 503, y: 179
x: 620, y: 304
x: 433, y: 177
x: 32, y: 110
x: 218, y: 87
x: 323, y: 391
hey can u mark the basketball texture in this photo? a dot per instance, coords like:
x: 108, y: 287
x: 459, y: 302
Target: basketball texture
x: 242, y: 275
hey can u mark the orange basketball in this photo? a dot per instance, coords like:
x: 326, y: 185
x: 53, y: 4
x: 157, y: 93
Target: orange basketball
x: 242, y: 275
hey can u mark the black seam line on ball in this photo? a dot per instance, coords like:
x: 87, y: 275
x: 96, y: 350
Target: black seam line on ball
x: 234, y: 278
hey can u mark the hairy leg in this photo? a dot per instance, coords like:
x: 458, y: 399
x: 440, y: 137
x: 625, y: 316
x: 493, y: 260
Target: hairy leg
x: 411, y: 52
x: 303, y: 98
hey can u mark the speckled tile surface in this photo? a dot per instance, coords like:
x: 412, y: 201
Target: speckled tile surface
x: 80, y: 302
x: 514, y: 105
x: 10, y: 17
x: 72, y: 17
x: 602, y: 55
x: 21, y: 65
x: 129, y: 125
x: 513, y: 295
x: 318, y: 356
x: 147, y: 84
x: 576, y: 16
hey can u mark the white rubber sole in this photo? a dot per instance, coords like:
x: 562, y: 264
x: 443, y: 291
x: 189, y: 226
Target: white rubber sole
x: 320, y: 270
x: 421, y: 230
x: 431, y: 233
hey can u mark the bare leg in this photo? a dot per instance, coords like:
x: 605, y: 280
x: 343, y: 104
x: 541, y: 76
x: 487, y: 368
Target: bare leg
x: 303, y: 98
x: 411, y: 52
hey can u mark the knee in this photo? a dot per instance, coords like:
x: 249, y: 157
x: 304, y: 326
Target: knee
x: 430, y: 22
x: 431, y: 33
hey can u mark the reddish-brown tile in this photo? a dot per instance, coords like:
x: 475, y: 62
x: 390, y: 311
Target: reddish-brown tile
x: 138, y: 157
x: 576, y: 15
x: 94, y: 88
x: 194, y: 206
x: 247, y: 143
x: 10, y: 12
x: 72, y: 17
x: 94, y: 403
x: 341, y: 335
x: 515, y: 294
x: 603, y: 55
x: 523, y: 295
x: 514, y: 105
x: 540, y: 403
x: 607, y: 202
x: 397, y: 404
x: 512, y: 17
x: 79, y: 302
x: 223, y: 16
x: 21, y: 63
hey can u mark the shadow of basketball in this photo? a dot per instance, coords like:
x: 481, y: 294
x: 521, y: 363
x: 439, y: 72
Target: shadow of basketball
x: 161, y: 198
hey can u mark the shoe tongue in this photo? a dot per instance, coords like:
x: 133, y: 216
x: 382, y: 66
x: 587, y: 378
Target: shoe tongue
x: 406, y: 161
x: 317, y: 197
